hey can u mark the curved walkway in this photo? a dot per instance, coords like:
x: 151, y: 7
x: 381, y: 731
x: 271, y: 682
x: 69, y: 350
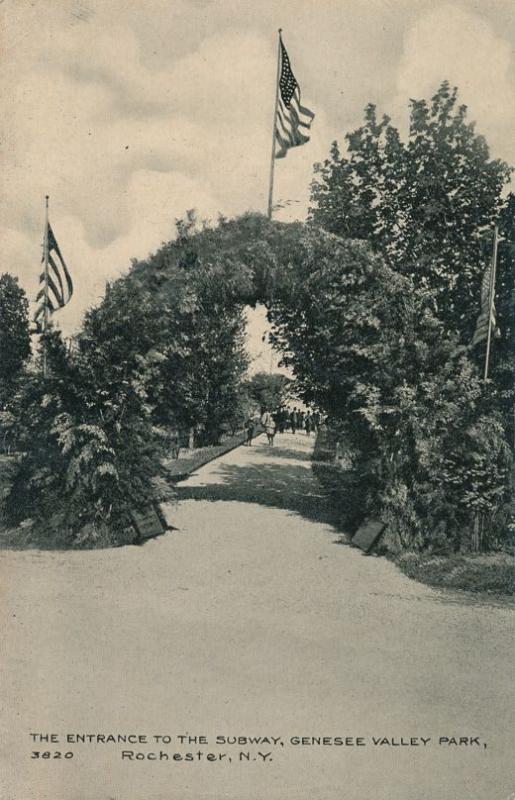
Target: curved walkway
x: 250, y: 619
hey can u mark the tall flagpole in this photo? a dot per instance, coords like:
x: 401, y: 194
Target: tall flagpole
x: 272, y: 159
x: 45, y: 257
x: 492, y: 300
x: 45, y: 288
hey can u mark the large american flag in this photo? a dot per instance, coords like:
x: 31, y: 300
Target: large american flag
x: 293, y: 120
x: 60, y: 286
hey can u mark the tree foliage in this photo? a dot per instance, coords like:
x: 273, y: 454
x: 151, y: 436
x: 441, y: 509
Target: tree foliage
x: 151, y: 357
x: 90, y: 452
x: 503, y: 350
x: 14, y: 334
x: 268, y: 390
x: 435, y: 449
x: 427, y: 205
x: 367, y: 348
x: 197, y: 369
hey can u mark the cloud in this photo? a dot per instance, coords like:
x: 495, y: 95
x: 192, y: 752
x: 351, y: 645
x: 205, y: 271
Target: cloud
x: 262, y: 357
x: 127, y: 114
x: 452, y: 43
x: 149, y: 223
x: 123, y: 148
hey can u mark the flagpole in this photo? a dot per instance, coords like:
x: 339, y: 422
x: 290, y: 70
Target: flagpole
x: 45, y: 288
x: 492, y: 298
x: 272, y: 159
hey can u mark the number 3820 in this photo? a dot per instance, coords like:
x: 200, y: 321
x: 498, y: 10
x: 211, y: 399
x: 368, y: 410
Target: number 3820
x: 49, y: 754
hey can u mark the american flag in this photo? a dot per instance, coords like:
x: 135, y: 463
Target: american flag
x: 293, y: 120
x: 487, y: 316
x: 60, y: 285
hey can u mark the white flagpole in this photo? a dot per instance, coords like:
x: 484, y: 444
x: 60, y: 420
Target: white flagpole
x: 272, y: 160
x: 491, y: 300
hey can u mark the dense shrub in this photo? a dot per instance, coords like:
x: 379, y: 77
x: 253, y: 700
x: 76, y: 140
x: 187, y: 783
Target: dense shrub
x: 89, y: 452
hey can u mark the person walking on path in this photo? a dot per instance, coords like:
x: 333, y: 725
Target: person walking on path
x: 294, y: 419
x: 250, y: 427
x: 175, y: 443
x: 307, y: 424
x: 268, y: 423
x: 280, y: 418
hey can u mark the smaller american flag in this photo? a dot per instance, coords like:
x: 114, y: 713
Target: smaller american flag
x: 487, y: 317
x: 293, y: 120
x: 487, y: 313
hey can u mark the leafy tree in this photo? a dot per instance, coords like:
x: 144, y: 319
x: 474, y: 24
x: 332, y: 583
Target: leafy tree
x: 14, y: 334
x: 268, y: 390
x: 427, y: 205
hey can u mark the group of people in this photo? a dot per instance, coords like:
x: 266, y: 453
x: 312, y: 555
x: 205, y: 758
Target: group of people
x: 297, y: 420
x: 280, y: 421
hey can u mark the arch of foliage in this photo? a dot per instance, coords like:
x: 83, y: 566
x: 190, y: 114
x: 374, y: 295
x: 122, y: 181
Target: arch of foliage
x: 371, y: 303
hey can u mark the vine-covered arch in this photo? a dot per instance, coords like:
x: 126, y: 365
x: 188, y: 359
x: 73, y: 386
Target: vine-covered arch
x: 308, y: 279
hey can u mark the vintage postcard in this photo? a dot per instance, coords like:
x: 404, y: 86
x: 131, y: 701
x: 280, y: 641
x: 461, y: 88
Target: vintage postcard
x: 257, y: 428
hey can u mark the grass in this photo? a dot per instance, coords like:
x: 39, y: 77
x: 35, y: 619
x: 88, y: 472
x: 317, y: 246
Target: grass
x: 191, y: 460
x: 490, y: 573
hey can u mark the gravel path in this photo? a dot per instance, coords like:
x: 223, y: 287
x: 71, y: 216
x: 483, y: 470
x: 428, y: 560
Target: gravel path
x: 251, y: 620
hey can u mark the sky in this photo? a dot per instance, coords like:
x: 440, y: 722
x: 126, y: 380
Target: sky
x: 129, y: 112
